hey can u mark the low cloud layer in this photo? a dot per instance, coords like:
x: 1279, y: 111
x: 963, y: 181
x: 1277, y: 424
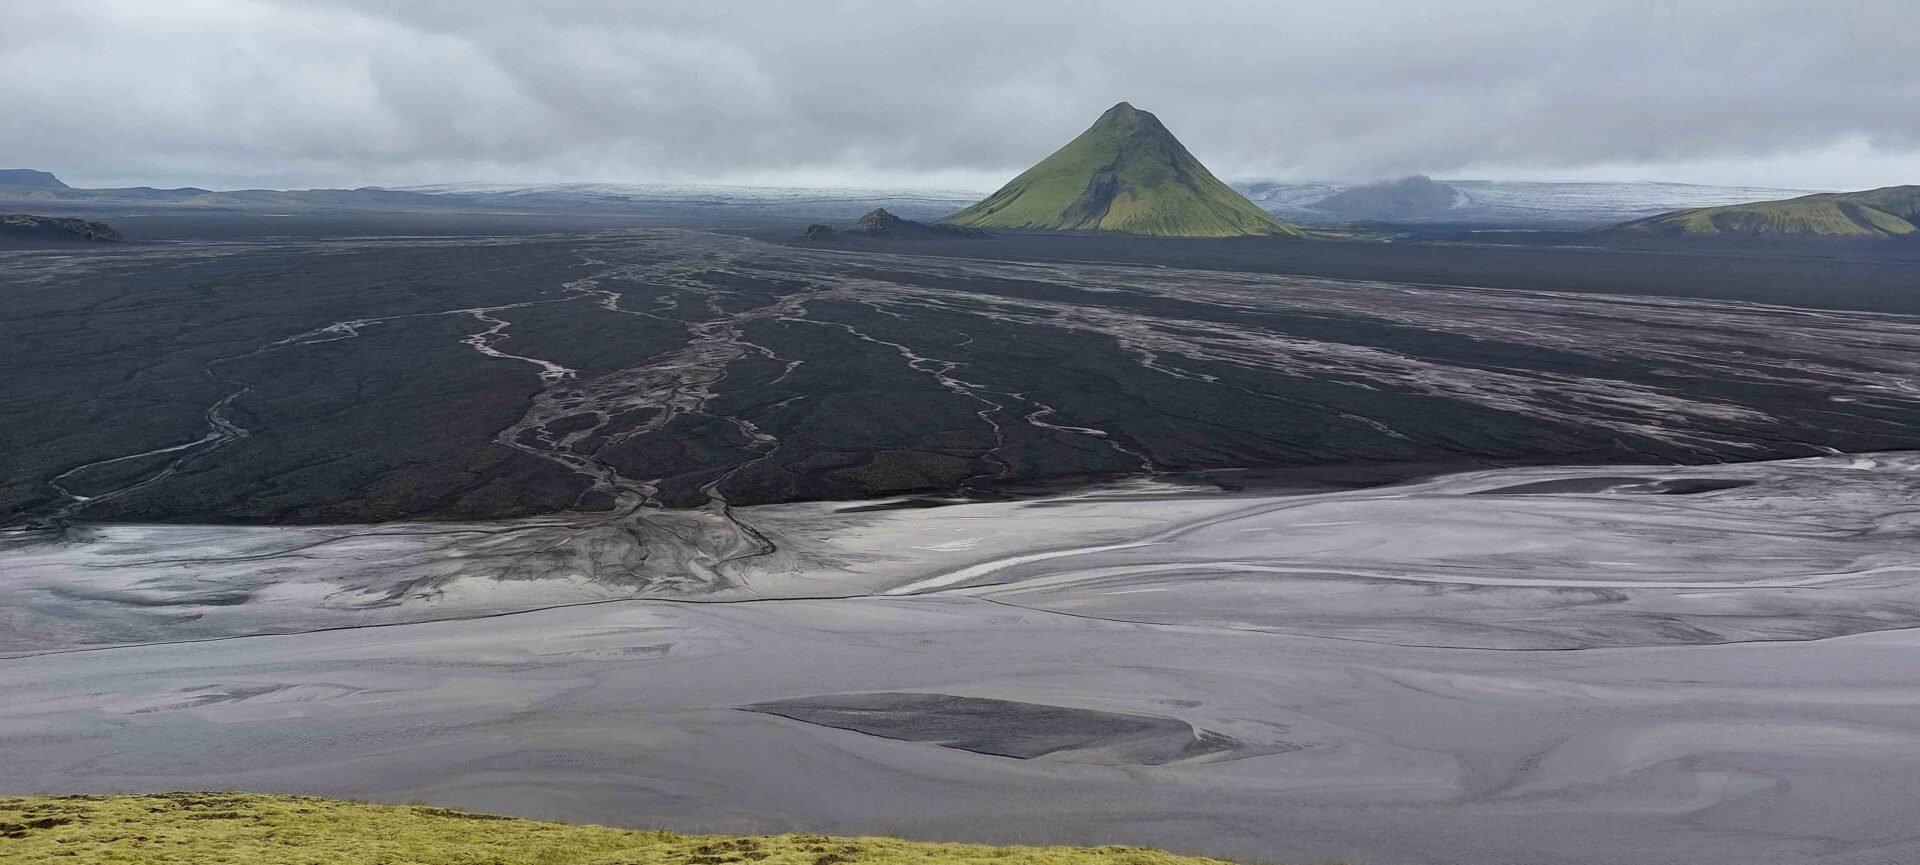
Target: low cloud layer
x: 229, y: 93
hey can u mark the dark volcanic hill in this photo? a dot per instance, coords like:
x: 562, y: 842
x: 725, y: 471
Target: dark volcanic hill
x: 882, y: 224
x: 1416, y: 197
x: 1125, y: 174
x: 24, y: 226
x: 1890, y: 212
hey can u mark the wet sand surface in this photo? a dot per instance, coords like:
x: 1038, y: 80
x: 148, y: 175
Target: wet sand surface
x: 1582, y: 671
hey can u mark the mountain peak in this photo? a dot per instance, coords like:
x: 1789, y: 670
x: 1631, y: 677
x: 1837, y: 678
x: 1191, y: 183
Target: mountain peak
x: 878, y: 217
x: 1127, y: 173
x: 1126, y: 119
x: 882, y: 223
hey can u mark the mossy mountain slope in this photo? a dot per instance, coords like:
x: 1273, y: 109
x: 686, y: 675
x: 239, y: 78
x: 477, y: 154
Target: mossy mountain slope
x: 1125, y: 174
x: 245, y: 829
x: 1890, y: 212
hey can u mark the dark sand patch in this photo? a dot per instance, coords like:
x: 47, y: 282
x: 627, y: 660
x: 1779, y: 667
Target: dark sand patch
x: 1007, y: 728
x: 1563, y: 485
x: 898, y: 505
x: 1691, y: 486
x: 1639, y: 486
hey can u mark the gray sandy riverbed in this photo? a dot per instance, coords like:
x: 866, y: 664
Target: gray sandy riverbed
x: 1448, y: 671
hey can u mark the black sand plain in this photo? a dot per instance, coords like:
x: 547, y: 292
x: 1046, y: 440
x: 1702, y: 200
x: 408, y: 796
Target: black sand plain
x: 350, y: 367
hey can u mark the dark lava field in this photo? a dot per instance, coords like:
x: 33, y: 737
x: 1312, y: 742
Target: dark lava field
x: 339, y: 379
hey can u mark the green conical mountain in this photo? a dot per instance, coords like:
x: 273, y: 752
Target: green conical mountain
x: 1890, y: 212
x: 1125, y: 174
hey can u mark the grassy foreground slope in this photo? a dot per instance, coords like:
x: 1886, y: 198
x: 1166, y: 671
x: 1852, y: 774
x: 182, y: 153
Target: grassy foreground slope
x: 1125, y: 174
x: 246, y: 829
x: 1893, y: 211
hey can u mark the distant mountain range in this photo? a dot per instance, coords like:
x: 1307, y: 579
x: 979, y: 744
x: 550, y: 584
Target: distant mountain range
x: 1471, y: 202
x: 28, y: 187
x: 1519, y: 204
x: 1127, y: 174
x: 1481, y: 202
x: 706, y: 200
x: 1891, y: 212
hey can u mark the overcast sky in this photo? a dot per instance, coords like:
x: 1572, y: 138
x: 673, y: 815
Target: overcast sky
x: 954, y: 94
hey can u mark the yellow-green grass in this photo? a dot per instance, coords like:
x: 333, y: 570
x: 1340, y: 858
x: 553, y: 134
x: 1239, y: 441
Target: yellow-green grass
x: 1890, y: 212
x: 247, y: 829
x: 1125, y: 174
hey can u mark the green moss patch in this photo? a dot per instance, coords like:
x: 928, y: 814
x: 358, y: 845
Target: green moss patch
x: 243, y: 829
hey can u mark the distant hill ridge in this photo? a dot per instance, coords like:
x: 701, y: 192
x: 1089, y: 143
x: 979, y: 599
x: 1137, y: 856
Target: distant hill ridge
x: 29, y: 187
x: 27, y: 178
x: 1127, y: 173
x: 1889, y: 212
x: 1417, y: 196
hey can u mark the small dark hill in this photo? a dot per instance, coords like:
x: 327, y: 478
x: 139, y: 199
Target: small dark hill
x: 27, y: 178
x: 1416, y: 197
x: 1125, y: 174
x: 27, y: 227
x: 1892, y: 212
x: 881, y: 223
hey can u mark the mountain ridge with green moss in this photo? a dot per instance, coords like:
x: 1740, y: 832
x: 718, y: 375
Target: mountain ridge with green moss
x: 1888, y: 212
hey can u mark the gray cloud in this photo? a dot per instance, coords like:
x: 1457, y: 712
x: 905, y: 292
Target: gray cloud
x: 236, y: 92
